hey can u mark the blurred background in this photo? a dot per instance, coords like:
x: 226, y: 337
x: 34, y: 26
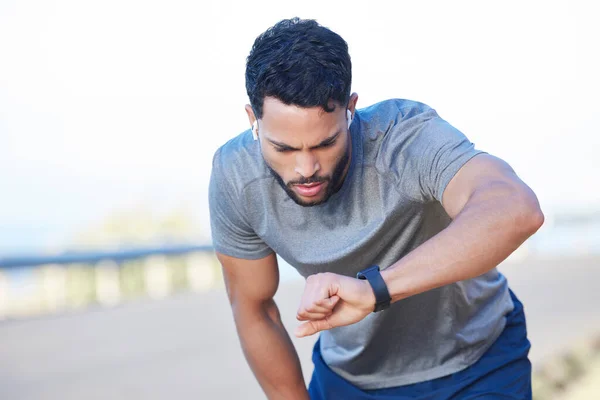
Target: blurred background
x: 110, y: 113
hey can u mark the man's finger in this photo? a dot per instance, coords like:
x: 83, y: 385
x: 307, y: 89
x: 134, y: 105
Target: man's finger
x: 327, y: 303
x: 323, y: 306
x: 332, y: 301
x: 312, y: 327
x: 313, y: 316
x: 313, y: 308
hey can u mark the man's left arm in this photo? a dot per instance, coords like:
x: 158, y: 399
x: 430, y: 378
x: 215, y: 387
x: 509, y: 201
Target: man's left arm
x: 493, y: 213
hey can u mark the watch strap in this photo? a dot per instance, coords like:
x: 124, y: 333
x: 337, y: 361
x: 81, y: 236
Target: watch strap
x: 382, y: 295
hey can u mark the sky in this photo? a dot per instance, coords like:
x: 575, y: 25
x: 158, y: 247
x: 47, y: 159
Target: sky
x: 117, y: 104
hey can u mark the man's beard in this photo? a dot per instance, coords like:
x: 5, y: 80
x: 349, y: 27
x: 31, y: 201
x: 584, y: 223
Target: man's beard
x: 334, y: 182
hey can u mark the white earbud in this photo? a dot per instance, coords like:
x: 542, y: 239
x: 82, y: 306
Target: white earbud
x: 349, y: 118
x: 255, y: 130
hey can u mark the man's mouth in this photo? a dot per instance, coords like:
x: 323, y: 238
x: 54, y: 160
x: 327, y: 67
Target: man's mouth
x: 310, y: 189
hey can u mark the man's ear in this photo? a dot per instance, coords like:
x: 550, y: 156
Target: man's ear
x: 352, y: 103
x: 250, y: 112
x: 253, y: 121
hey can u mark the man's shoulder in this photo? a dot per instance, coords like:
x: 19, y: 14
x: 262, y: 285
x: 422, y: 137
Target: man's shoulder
x: 239, y: 160
x: 393, y: 110
x: 238, y: 146
x: 387, y: 128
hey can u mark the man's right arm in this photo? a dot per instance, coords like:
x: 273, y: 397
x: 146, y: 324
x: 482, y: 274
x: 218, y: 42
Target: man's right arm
x: 251, y: 285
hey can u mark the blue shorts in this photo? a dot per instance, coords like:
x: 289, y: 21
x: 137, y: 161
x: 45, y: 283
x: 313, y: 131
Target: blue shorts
x: 503, y: 372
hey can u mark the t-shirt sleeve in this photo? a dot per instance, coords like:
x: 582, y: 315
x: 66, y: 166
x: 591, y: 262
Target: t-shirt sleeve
x: 432, y: 152
x: 231, y: 233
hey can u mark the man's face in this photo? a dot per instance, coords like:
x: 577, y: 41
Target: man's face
x: 307, y: 149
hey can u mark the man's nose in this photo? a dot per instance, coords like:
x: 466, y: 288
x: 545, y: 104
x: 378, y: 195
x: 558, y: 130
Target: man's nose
x: 306, y: 164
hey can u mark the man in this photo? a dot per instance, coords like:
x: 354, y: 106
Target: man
x: 340, y: 193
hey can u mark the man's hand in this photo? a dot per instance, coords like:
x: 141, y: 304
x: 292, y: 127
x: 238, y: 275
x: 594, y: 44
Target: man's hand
x: 331, y: 300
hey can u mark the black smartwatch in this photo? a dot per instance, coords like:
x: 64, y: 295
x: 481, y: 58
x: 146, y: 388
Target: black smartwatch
x: 382, y: 296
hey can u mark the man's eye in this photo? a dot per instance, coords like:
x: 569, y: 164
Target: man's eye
x: 327, y: 144
x: 282, y: 150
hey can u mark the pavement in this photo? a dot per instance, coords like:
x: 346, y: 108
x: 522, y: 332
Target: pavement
x: 587, y: 387
x: 186, y: 346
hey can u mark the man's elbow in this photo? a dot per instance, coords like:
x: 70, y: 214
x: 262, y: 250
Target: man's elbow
x: 529, y: 216
x: 534, y: 220
x: 246, y: 309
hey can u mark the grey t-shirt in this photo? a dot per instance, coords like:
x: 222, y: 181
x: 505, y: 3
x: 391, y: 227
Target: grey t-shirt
x: 403, y: 156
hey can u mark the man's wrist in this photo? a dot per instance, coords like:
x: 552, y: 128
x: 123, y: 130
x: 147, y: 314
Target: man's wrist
x: 396, y: 282
x: 370, y: 299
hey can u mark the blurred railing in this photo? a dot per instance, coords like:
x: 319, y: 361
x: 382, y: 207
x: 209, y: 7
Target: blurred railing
x: 37, y: 285
x: 34, y: 285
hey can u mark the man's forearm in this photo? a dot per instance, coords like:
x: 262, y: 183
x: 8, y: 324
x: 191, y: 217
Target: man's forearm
x: 490, y: 227
x: 270, y: 352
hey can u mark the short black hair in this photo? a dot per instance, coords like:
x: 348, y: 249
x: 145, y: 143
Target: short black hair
x: 299, y: 62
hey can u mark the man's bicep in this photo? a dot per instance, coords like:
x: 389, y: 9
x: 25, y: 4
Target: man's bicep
x: 251, y: 282
x: 480, y: 172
